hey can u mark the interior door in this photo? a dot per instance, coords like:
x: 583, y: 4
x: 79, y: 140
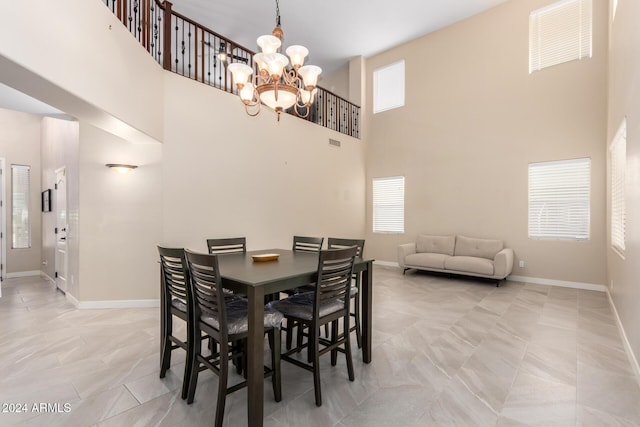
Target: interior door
x: 62, y: 226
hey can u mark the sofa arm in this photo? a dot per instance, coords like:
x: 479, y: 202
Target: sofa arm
x: 503, y: 263
x: 403, y: 251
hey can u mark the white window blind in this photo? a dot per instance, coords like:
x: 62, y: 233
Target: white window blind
x: 20, y: 195
x: 559, y: 194
x: 560, y: 32
x: 618, y: 166
x: 388, y: 87
x: 388, y: 204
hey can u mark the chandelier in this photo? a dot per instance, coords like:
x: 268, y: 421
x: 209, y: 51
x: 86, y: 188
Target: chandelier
x: 280, y: 82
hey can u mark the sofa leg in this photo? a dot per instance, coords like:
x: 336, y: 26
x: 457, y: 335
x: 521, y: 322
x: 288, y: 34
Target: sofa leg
x: 498, y: 284
x: 405, y: 270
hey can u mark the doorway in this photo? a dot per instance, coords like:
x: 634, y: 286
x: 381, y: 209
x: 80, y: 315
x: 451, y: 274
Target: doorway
x: 62, y: 225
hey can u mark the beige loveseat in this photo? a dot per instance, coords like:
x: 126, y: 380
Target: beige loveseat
x: 457, y: 255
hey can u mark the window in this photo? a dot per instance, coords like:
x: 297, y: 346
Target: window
x: 21, y: 227
x: 558, y: 33
x: 388, y: 204
x: 559, y: 199
x: 388, y: 87
x: 618, y: 165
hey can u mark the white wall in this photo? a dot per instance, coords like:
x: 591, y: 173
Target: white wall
x: 120, y: 218
x: 474, y: 119
x: 76, y: 56
x: 624, y: 71
x: 227, y: 174
x: 20, y: 144
x: 60, y: 148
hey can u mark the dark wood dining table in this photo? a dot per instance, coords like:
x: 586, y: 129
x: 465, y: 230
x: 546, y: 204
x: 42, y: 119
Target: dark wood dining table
x: 240, y: 273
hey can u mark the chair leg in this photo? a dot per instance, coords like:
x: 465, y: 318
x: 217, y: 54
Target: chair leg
x: 334, y: 338
x: 238, y: 362
x: 289, y: 331
x: 313, y: 341
x: 300, y: 336
x: 165, y: 344
x: 188, y: 364
x: 222, y: 383
x: 347, y: 350
x: 274, y: 343
x: 357, y: 320
x: 195, y: 367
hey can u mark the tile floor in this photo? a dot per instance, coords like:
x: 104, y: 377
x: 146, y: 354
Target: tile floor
x: 447, y: 352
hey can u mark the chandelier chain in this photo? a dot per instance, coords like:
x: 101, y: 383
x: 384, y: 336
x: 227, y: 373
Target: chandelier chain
x: 277, y: 13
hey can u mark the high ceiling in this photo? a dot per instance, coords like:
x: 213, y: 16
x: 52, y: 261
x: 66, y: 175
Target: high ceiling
x: 333, y: 30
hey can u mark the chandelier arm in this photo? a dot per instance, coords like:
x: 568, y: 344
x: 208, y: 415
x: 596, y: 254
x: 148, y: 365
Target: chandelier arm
x: 291, y: 77
x: 250, y: 108
x: 296, y: 107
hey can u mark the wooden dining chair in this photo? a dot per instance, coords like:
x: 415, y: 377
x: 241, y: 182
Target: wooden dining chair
x: 174, y: 301
x: 307, y: 244
x: 225, y: 320
x: 301, y: 244
x: 327, y: 304
x: 231, y: 245
x: 338, y: 243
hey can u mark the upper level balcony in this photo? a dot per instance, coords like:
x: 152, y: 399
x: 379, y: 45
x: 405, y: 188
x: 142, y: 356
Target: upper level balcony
x: 190, y: 49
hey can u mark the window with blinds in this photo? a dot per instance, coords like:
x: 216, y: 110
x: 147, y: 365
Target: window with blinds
x: 388, y: 204
x: 618, y: 151
x: 559, y: 199
x: 560, y: 32
x: 20, y: 195
x: 388, y: 87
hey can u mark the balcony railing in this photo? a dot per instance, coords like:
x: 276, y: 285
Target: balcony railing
x: 193, y: 50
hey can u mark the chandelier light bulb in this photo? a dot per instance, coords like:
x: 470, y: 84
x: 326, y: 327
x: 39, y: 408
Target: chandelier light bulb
x: 297, y: 54
x: 269, y: 43
x: 246, y: 93
x: 240, y: 72
x: 309, y: 74
x: 275, y: 63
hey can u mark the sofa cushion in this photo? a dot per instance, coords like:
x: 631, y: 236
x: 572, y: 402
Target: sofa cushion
x: 469, y: 264
x: 426, y: 260
x: 435, y: 244
x: 483, y: 248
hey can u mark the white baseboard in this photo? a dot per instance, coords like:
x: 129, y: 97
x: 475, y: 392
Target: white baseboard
x: 48, y: 278
x: 627, y: 346
x: 536, y: 280
x: 562, y: 283
x: 386, y: 263
x: 136, y: 303
x: 23, y: 274
x: 72, y: 299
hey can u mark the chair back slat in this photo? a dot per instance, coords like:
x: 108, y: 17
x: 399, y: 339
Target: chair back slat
x: 208, y: 296
x: 307, y: 244
x: 231, y: 245
x: 338, y: 243
x: 173, y: 273
x: 335, y: 267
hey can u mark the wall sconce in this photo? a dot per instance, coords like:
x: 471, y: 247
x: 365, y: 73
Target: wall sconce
x: 120, y: 167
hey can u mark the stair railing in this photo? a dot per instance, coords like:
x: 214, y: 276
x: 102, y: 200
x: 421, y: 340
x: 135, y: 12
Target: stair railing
x: 185, y: 47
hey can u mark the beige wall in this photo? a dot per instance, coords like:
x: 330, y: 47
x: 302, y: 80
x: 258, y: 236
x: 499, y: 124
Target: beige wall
x: 20, y: 144
x: 474, y: 119
x: 76, y: 56
x: 227, y: 174
x: 624, y: 92
x: 60, y: 148
x: 337, y: 82
x: 120, y: 218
